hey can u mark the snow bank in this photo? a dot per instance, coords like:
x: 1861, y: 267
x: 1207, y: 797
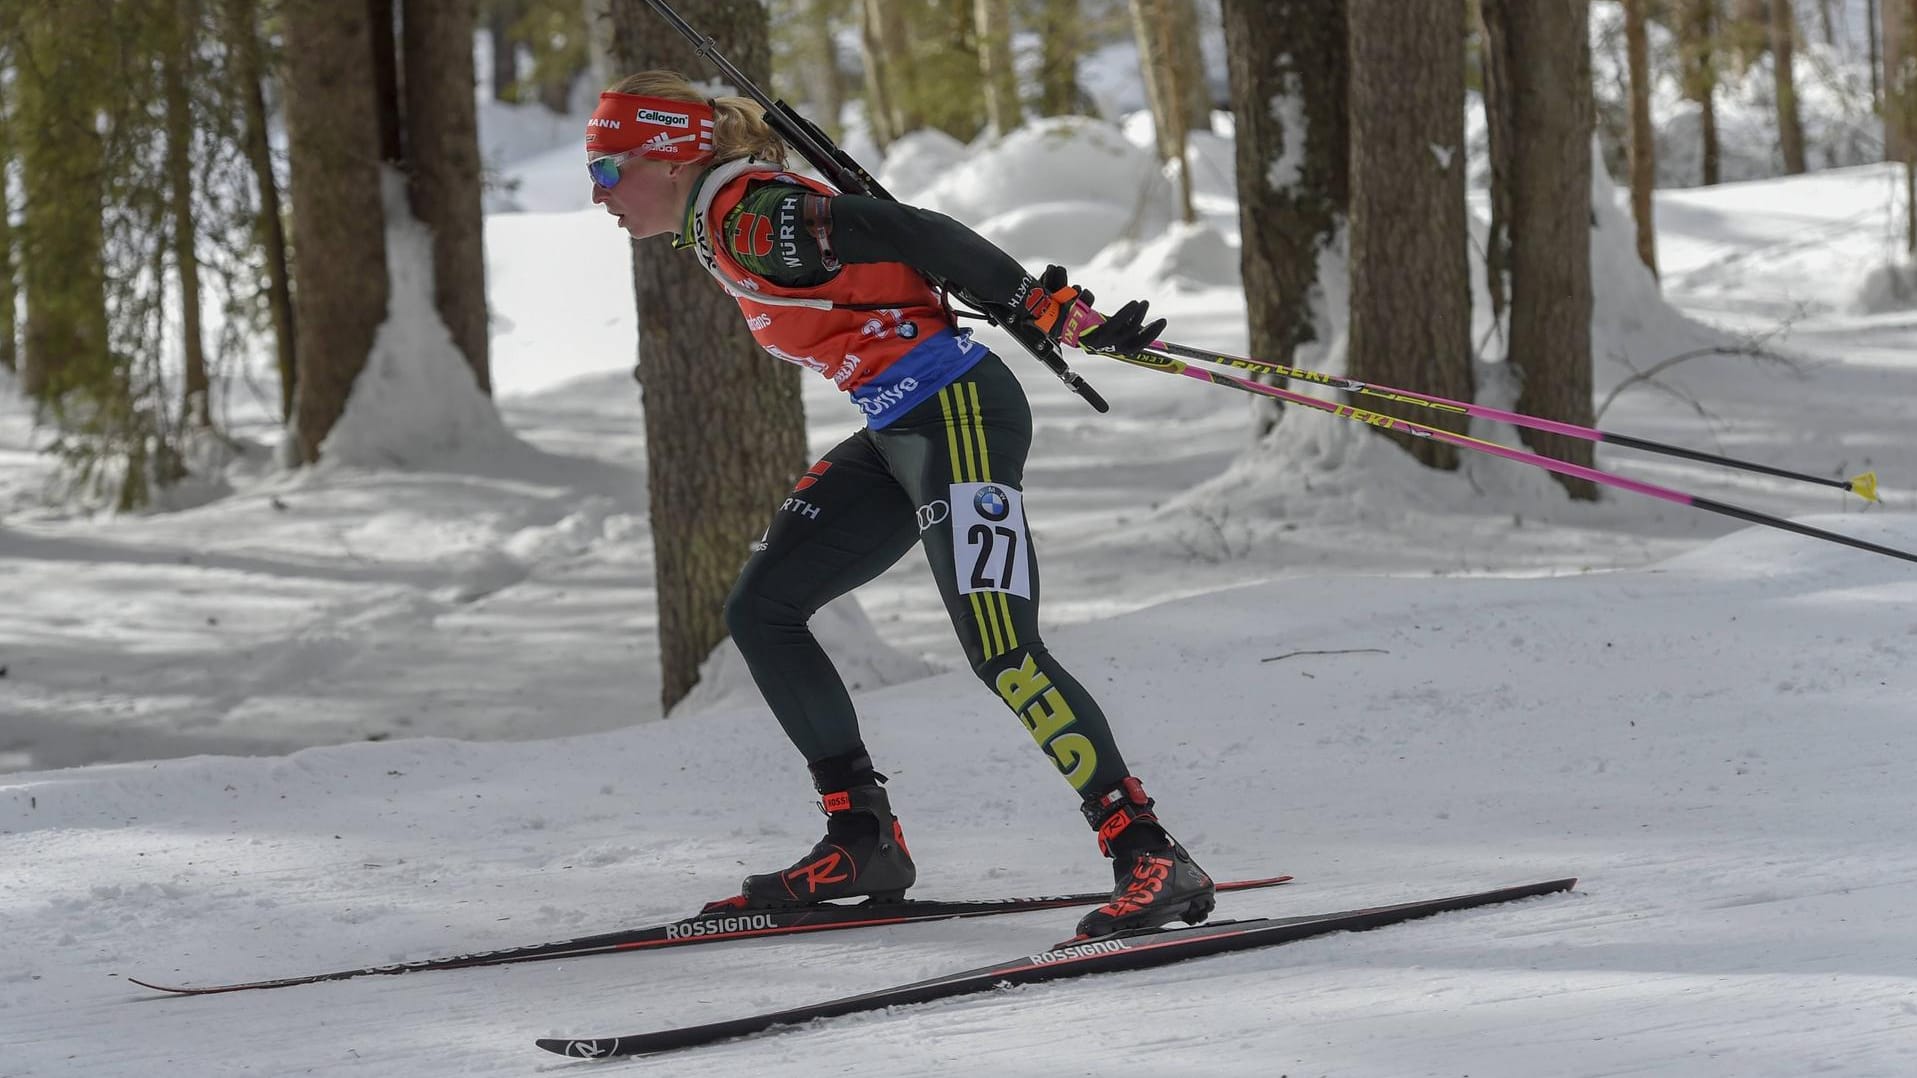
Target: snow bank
x: 917, y: 161
x: 1886, y: 287
x: 1066, y: 162
x: 1182, y: 258
x: 1633, y: 325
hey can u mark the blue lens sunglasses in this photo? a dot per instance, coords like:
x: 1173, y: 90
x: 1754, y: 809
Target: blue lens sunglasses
x: 605, y: 170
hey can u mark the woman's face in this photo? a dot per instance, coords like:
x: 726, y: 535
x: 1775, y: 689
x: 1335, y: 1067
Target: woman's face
x: 647, y: 200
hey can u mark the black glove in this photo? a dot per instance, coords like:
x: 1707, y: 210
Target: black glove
x: 1125, y: 333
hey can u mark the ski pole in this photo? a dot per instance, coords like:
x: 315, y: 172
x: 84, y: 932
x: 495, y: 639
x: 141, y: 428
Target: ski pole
x: 1864, y: 486
x: 1173, y: 365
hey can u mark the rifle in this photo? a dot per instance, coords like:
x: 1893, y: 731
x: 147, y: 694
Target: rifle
x: 848, y: 175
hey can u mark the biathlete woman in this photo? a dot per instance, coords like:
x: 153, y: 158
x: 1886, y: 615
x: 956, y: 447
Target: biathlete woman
x: 833, y: 282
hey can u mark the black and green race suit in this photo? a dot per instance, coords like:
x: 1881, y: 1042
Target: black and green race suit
x: 947, y: 474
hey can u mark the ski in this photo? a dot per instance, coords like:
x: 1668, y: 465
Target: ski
x: 1126, y: 951
x: 704, y: 928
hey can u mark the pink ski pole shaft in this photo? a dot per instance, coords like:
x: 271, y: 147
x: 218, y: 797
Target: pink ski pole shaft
x: 1865, y: 485
x: 1172, y: 365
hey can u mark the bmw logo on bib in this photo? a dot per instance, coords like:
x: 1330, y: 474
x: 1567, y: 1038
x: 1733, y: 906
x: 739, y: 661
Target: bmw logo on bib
x: 991, y: 550
x: 992, y: 503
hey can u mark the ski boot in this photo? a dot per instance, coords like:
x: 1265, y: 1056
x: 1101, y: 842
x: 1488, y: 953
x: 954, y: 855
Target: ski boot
x: 863, y: 853
x: 1157, y: 882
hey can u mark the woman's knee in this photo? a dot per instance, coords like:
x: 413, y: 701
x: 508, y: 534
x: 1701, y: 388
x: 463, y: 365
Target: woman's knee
x: 751, y: 610
x: 744, y: 609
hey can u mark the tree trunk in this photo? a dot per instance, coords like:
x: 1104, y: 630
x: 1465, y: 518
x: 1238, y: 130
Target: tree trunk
x: 725, y: 431
x: 1287, y: 61
x: 1896, y: 47
x: 62, y: 172
x: 1697, y: 50
x: 1544, y: 178
x: 1155, y: 28
x: 824, y: 84
x: 1876, y: 74
x: 886, y: 49
x: 242, y: 36
x: 1904, y: 117
x: 1410, y: 277
x: 1829, y: 27
x: 946, y: 90
x: 1643, y: 141
x: 1188, y: 55
x: 1002, y: 112
x: 1790, y: 129
x: 500, y: 16
x: 902, y: 76
x: 1747, y: 30
x: 878, y: 95
x: 9, y: 290
x: 1154, y: 68
x: 1061, y: 38
x: 442, y: 141
x: 339, y: 237
x: 176, y: 74
x: 599, y: 65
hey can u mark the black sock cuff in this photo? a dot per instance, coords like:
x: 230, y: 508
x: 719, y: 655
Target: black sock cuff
x: 844, y: 771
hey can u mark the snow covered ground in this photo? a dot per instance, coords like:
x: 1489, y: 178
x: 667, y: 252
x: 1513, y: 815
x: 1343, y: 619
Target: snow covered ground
x: 374, y: 713
x: 1719, y: 745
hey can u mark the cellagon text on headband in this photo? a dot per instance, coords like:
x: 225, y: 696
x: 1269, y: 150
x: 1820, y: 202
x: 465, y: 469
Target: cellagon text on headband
x: 659, y: 128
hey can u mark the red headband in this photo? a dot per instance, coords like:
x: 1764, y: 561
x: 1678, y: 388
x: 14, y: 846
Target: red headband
x: 660, y: 128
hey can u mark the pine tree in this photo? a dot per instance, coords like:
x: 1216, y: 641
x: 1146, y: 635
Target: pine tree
x: 1541, y: 198
x: 1410, y: 276
x: 1289, y: 74
x: 1158, y: 31
x: 725, y: 430
x: 1643, y: 141
x: 58, y: 96
x: 9, y: 289
x: 179, y: 68
x: 339, y: 238
x: 500, y: 17
x: 946, y: 89
x: 1061, y: 39
x: 885, y: 47
x: 443, y: 167
x: 1790, y: 129
x: 805, y: 58
x: 1697, y: 48
x: 1899, y: 26
x: 1746, y: 30
x: 994, y: 19
x: 246, y: 77
x: 1900, y: 86
x: 557, y: 35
